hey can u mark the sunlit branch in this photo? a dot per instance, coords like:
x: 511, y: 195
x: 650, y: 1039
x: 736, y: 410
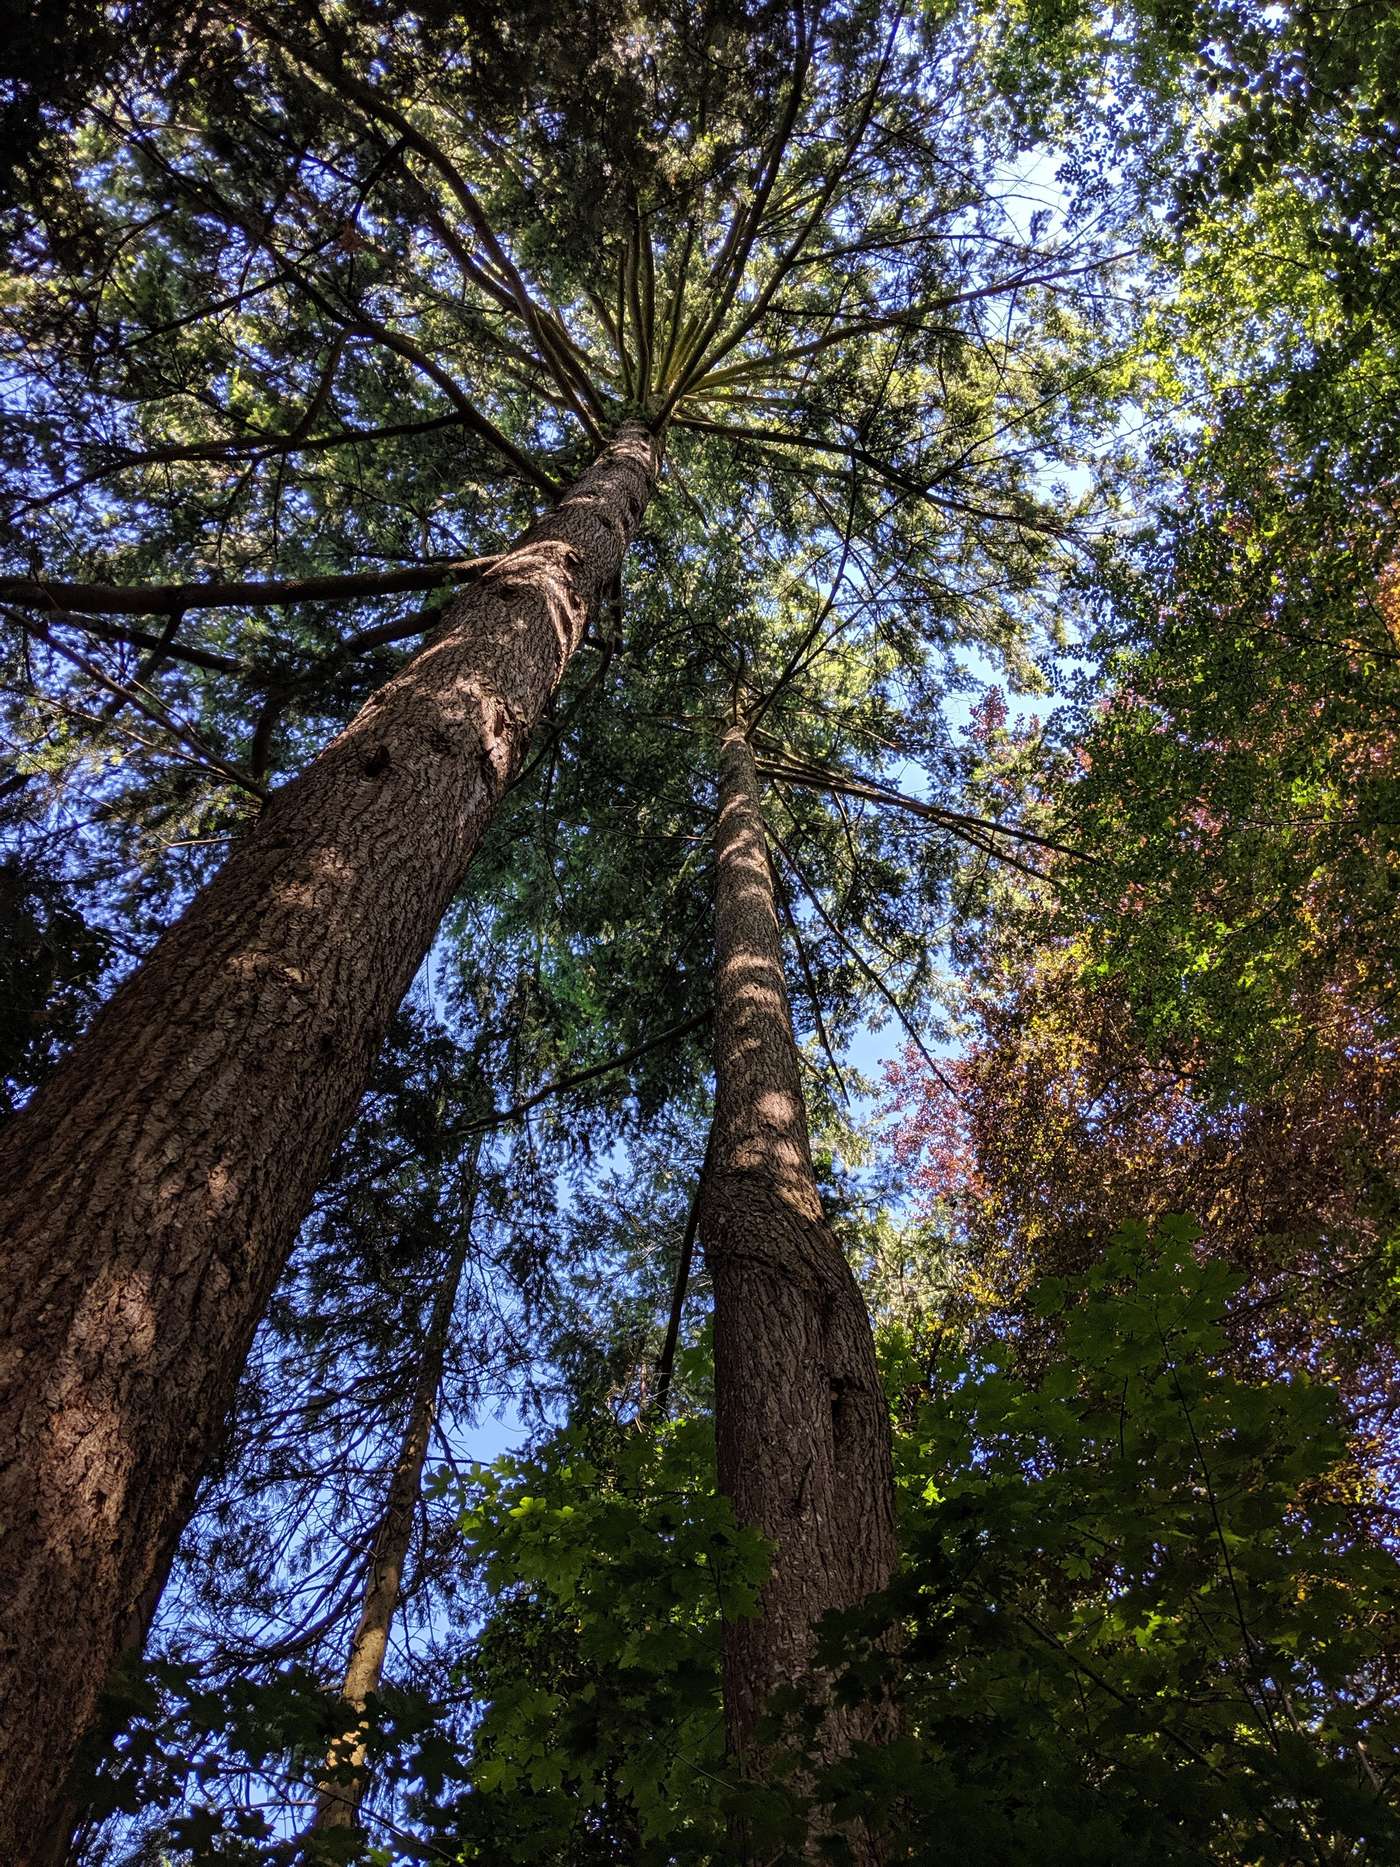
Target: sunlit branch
x: 727, y: 273
x: 704, y: 363
x: 631, y: 273
x: 675, y: 307
x: 567, y: 373
x: 613, y: 332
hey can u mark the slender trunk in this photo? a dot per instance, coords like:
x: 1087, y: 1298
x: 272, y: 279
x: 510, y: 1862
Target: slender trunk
x: 801, y: 1420
x: 666, y: 1360
x: 342, y: 1789
x: 150, y: 1193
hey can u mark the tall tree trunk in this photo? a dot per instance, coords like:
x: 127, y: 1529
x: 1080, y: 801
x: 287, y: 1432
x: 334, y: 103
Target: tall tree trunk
x: 342, y: 1789
x: 150, y: 1193
x: 801, y: 1419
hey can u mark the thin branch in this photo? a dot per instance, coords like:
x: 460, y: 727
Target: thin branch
x: 130, y: 697
x: 728, y: 270
x: 794, y: 770
x: 259, y: 447
x: 892, y: 476
x: 503, y: 1118
x: 1159, y: 1725
x: 811, y: 984
x: 480, y: 425
x: 561, y: 365
x: 121, y: 634
x: 862, y: 964
x: 825, y: 195
x: 795, y: 660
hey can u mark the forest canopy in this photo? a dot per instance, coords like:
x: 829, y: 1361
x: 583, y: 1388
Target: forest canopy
x: 699, y: 1069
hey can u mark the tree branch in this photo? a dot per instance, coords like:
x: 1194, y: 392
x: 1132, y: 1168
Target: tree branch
x: 173, y: 598
x: 793, y: 770
x: 155, y: 714
x: 863, y: 964
x: 502, y: 1118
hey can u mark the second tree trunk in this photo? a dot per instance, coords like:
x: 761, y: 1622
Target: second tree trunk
x: 801, y: 1419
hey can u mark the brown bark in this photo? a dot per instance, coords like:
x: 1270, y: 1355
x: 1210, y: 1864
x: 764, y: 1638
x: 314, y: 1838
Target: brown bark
x: 801, y: 1420
x: 341, y: 1791
x: 151, y: 1191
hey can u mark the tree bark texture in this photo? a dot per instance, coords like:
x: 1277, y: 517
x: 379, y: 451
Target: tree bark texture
x: 341, y: 1791
x: 150, y: 1193
x: 801, y: 1418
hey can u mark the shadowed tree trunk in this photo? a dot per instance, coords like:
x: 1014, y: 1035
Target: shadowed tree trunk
x: 801, y: 1419
x: 151, y: 1191
x: 341, y: 1791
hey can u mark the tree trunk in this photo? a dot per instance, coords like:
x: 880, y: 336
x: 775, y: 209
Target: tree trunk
x: 342, y: 1789
x: 151, y: 1191
x: 801, y: 1419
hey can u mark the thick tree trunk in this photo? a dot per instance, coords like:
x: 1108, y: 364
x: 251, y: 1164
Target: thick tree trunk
x: 801, y: 1420
x: 341, y: 1791
x: 150, y: 1193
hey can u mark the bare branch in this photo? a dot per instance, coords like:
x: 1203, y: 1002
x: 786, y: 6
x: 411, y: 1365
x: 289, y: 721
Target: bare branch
x: 795, y: 770
x: 863, y: 964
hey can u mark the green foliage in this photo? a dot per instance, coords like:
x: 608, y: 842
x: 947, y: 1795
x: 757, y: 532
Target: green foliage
x: 50, y: 963
x: 1241, y: 783
x: 1140, y: 1619
x: 1143, y: 1623
x: 176, y: 1747
x: 1138, y: 1613
x: 1135, y: 1616
x: 608, y: 1561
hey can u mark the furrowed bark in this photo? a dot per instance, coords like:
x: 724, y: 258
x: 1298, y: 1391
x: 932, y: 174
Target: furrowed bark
x: 150, y: 1193
x: 342, y: 1789
x: 801, y: 1420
